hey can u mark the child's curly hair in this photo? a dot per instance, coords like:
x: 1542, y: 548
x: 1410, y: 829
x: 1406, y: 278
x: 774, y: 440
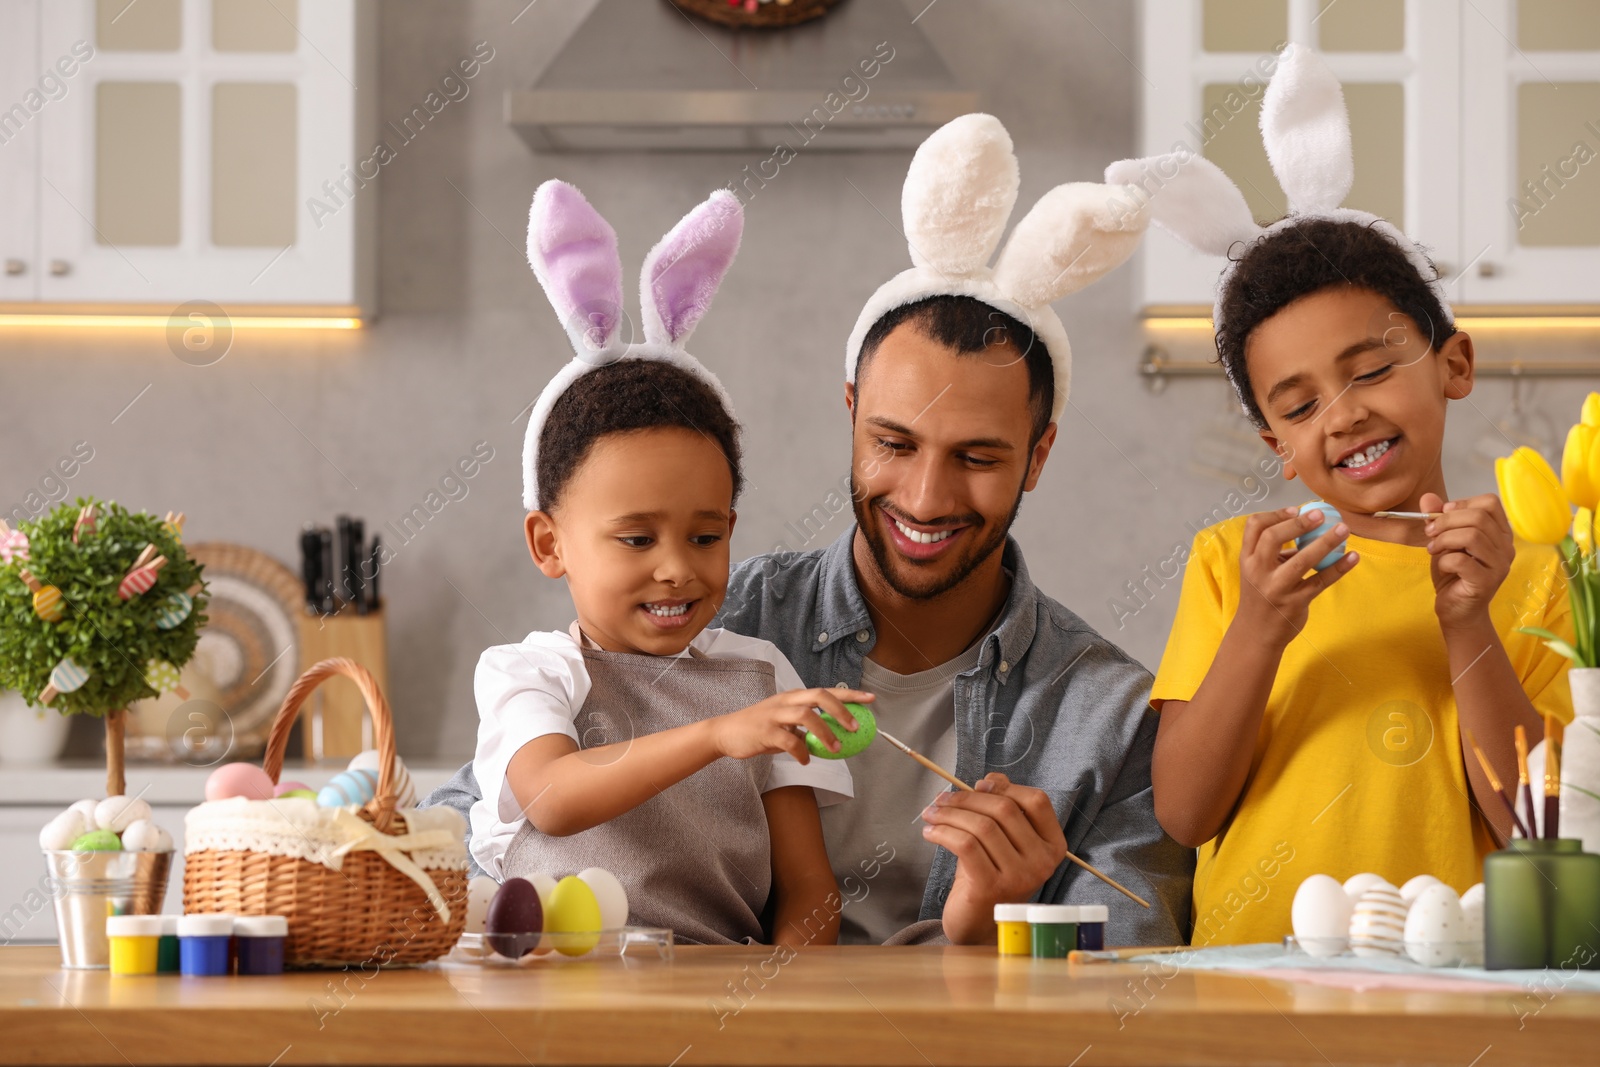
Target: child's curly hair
x: 624, y: 397
x: 1304, y: 258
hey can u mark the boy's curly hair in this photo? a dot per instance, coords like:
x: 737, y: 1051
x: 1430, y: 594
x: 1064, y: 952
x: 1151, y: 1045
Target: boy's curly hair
x: 624, y: 397
x: 1305, y: 258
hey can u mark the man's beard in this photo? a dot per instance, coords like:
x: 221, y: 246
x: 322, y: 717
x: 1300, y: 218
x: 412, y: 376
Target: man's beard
x: 888, y: 560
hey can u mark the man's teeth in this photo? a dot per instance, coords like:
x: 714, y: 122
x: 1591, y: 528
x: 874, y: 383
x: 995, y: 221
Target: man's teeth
x: 1361, y: 459
x: 665, y: 611
x: 919, y: 537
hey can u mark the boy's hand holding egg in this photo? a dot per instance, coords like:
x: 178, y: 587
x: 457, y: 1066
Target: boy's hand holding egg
x: 1471, y: 548
x: 775, y: 723
x: 1278, y: 583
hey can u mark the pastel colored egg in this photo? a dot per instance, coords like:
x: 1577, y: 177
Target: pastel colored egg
x: 287, y: 786
x: 1434, y: 926
x: 137, y: 582
x: 174, y: 610
x: 61, y: 831
x: 298, y: 794
x: 514, y: 918
x: 850, y: 742
x: 405, y: 792
x: 1321, y: 916
x: 48, y: 605
x: 609, y: 894
x: 1415, y: 887
x: 98, y: 841
x: 348, y: 787
x: 161, y: 675
x: 573, y: 916
x: 67, y: 676
x: 239, y: 780
x: 1330, y: 519
x: 118, y: 813
x: 1378, y: 924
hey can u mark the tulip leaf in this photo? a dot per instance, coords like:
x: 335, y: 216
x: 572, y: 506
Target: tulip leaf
x: 1579, y: 789
x: 1555, y: 644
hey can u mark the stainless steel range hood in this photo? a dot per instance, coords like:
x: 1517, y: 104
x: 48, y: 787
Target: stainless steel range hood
x: 641, y: 75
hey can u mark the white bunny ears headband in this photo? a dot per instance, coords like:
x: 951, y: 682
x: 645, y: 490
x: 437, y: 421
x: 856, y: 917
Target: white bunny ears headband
x: 1306, y: 131
x: 958, y: 196
x: 573, y: 251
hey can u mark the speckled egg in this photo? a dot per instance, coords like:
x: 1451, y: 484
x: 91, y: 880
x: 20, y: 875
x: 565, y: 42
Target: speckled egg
x: 98, y: 841
x: 239, y: 780
x: 514, y: 918
x: 145, y: 836
x: 480, y: 891
x: 1472, y: 926
x: 1415, y: 887
x: 573, y: 916
x: 851, y: 742
x: 1321, y: 916
x: 1378, y: 924
x: 1433, y: 931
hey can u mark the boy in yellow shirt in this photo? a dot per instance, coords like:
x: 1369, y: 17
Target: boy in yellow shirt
x: 1312, y: 722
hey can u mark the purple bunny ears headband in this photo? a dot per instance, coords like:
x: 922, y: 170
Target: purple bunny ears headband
x: 958, y: 197
x: 573, y: 252
x: 1306, y: 131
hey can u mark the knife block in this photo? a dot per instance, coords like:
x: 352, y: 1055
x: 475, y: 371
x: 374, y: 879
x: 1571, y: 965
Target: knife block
x: 335, y: 723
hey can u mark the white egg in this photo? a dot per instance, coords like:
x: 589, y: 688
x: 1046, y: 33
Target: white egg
x: 116, y: 813
x: 480, y: 891
x: 612, y: 897
x: 61, y: 831
x: 142, y: 835
x: 1472, y: 926
x: 1321, y: 916
x: 1434, y: 927
x: 1357, y: 884
x: 544, y: 885
x: 1413, y: 889
x: 1378, y: 923
x: 404, y: 790
x: 85, y: 810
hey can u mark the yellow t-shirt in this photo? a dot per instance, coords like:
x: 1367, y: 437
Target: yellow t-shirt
x: 1358, y: 765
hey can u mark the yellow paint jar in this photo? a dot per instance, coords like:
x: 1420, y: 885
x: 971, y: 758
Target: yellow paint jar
x: 1012, y: 922
x: 135, y: 942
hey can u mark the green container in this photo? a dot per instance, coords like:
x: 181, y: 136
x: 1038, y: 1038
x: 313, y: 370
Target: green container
x: 1054, y: 928
x: 1541, y: 906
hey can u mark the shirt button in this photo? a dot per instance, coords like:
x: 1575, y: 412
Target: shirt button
x: 1004, y: 666
x: 862, y: 635
x: 822, y: 637
x: 840, y: 685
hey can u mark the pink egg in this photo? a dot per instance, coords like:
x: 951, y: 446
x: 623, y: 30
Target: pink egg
x: 239, y: 780
x: 284, y: 787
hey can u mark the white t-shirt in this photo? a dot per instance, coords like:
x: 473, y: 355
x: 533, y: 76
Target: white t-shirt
x: 538, y: 686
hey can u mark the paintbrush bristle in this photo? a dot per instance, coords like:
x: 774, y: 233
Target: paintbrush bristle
x: 1522, y: 755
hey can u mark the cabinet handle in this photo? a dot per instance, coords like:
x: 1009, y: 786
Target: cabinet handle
x: 60, y: 267
x: 15, y: 267
x: 1487, y: 269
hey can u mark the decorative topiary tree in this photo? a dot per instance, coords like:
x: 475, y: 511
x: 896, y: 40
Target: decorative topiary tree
x: 99, y: 607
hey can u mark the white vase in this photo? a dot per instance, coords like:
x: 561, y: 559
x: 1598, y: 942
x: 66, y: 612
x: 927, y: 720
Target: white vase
x: 30, y: 737
x: 1580, y: 761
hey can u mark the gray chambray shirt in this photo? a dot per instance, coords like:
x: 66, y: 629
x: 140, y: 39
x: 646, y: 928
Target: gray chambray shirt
x: 1050, y: 704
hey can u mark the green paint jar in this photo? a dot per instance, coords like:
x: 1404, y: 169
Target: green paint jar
x: 1055, y: 930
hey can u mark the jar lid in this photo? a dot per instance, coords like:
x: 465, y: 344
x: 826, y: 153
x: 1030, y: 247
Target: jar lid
x: 169, y: 926
x: 1093, y: 913
x: 133, y: 926
x: 1011, y: 913
x: 261, y: 926
x: 205, y: 926
x: 1052, y: 913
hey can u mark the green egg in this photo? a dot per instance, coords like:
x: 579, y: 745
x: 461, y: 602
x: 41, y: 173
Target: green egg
x: 305, y: 794
x: 849, y: 743
x: 98, y: 841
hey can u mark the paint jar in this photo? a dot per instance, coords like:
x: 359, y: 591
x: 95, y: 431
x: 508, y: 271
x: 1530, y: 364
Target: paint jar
x: 134, y: 941
x: 167, y: 951
x: 1012, y: 922
x: 1092, y: 919
x: 259, y: 940
x: 1055, y: 930
x: 203, y: 944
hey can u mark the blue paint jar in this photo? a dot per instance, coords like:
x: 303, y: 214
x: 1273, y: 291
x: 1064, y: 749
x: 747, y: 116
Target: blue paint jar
x: 259, y: 941
x: 1092, y: 919
x: 203, y: 944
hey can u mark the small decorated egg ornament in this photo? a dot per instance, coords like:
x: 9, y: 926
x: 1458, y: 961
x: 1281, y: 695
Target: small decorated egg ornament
x: 47, y: 602
x: 1330, y: 519
x: 348, y: 787
x: 13, y: 543
x: 1434, y: 927
x: 141, y: 579
x: 405, y: 792
x: 174, y: 610
x: 65, y: 677
x: 1378, y: 924
x: 162, y: 676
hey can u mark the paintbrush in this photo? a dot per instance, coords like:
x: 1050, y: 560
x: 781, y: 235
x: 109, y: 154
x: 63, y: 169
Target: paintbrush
x: 1494, y: 783
x: 1552, y: 777
x: 1524, y: 786
x: 959, y: 784
x: 1407, y: 514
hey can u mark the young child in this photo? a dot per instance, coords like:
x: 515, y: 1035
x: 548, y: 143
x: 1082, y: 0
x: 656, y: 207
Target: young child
x: 604, y: 745
x: 1313, y: 722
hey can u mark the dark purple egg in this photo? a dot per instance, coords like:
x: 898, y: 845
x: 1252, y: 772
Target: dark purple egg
x: 515, y: 919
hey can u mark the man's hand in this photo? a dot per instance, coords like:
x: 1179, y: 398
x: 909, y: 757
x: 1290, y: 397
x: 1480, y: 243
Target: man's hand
x: 1006, y: 841
x: 1472, y: 550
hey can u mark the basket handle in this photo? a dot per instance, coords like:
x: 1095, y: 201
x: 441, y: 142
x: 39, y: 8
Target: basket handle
x: 380, y: 809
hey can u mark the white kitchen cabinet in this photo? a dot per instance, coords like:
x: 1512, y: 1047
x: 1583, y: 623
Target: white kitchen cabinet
x: 19, y: 148
x: 183, y: 158
x: 1454, y: 105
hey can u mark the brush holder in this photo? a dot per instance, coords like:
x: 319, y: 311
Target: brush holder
x: 1541, y: 906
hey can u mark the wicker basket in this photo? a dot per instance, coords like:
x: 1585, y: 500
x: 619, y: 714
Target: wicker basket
x: 767, y: 16
x: 369, y: 912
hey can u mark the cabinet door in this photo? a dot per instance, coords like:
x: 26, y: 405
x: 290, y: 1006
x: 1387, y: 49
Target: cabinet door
x: 22, y: 97
x: 181, y: 166
x: 1204, y: 65
x: 1531, y: 100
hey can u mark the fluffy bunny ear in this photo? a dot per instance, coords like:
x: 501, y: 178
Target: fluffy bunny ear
x: 1191, y: 198
x: 1075, y: 234
x: 685, y: 268
x: 1306, y: 130
x: 959, y: 193
x: 573, y: 252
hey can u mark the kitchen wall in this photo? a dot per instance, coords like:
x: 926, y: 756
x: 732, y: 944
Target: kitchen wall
x: 287, y: 429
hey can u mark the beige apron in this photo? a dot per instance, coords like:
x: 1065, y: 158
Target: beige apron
x: 695, y: 858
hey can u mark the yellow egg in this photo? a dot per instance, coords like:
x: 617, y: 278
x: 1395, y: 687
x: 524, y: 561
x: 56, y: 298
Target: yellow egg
x: 573, y: 914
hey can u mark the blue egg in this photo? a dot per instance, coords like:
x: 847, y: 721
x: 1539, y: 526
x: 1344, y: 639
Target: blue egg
x: 348, y: 787
x: 1330, y: 519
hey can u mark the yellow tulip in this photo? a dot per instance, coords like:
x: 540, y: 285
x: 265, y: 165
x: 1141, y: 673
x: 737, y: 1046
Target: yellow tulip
x: 1581, y: 527
x: 1579, y: 467
x: 1591, y: 410
x: 1533, y: 497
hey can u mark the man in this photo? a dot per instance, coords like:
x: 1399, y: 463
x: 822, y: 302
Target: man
x: 926, y: 600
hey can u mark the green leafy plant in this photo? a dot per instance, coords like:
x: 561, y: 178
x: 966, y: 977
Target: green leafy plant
x: 111, y: 638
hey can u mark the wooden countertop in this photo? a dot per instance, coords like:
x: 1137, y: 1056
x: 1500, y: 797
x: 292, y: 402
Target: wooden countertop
x: 879, y: 1006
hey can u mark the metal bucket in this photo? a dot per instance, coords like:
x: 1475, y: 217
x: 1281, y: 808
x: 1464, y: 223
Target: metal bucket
x: 89, y: 886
